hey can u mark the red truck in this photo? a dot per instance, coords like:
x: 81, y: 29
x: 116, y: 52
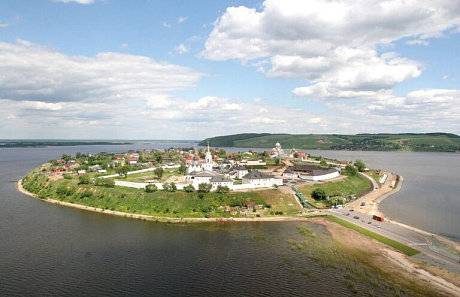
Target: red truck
x: 377, y: 218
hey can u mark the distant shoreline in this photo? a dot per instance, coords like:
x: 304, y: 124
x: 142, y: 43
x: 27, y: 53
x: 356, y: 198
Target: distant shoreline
x: 35, y: 144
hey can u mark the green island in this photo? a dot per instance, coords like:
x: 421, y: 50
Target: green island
x: 155, y: 183
x: 405, y: 142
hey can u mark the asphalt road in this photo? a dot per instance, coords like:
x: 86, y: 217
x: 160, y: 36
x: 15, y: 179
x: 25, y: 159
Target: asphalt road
x: 421, y: 242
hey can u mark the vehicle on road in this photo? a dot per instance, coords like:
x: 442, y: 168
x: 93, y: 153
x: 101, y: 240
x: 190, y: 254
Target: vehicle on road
x: 356, y: 217
x: 378, y: 218
x: 369, y: 222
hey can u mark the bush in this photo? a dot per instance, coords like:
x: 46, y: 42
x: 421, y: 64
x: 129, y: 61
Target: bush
x: 204, y: 188
x: 151, y: 188
x: 189, y: 189
x: 350, y: 170
x: 83, y: 179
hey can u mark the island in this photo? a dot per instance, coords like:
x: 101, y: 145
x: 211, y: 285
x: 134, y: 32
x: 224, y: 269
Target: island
x: 406, y: 142
x: 186, y: 185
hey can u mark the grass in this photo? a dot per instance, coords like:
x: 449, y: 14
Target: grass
x: 352, y: 185
x: 160, y: 203
x: 399, y: 246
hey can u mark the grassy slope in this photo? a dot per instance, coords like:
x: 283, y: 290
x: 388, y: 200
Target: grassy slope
x: 325, y: 141
x: 288, y: 141
x: 160, y: 203
x: 349, y: 186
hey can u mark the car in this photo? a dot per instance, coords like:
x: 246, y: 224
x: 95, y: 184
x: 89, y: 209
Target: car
x: 347, y: 214
x: 356, y: 217
x: 369, y: 222
x: 378, y: 226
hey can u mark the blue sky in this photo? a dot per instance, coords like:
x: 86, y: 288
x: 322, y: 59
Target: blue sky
x: 111, y: 69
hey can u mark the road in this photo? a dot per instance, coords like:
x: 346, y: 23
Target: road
x: 423, y: 243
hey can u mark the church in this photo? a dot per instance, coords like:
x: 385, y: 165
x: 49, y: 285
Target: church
x: 206, y: 166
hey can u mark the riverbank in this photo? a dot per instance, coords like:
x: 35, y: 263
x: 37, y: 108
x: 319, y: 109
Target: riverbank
x: 158, y: 218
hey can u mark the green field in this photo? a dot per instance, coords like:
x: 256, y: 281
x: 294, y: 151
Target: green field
x: 351, y: 185
x: 160, y: 203
x: 399, y: 246
x: 381, y: 142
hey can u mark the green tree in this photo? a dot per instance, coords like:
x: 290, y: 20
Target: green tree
x: 277, y: 161
x: 151, y: 188
x: 222, y: 189
x: 318, y: 194
x: 360, y: 165
x: 78, y: 155
x: 159, y: 158
x: 182, y: 169
x: 167, y: 186
x: 204, y: 188
x: 158, y: 172
x: 189, y: 188
x: 83, y: 179
x: 123, y: 171
x: 66, y: 157
x: 323, y: 163
x: 350, y: 170
x: 172, y: 187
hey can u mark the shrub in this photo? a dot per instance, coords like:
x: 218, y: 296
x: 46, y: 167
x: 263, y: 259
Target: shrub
x: 151, y: 188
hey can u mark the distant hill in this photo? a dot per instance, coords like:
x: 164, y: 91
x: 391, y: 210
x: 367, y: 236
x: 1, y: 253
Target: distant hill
x: 430, y: 142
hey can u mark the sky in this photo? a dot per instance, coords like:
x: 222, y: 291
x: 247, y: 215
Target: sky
x: 174, y: 69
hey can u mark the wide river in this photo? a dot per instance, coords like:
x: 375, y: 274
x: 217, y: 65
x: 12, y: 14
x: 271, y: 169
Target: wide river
x: 49, y: 250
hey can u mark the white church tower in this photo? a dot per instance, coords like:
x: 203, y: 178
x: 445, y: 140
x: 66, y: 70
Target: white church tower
x: 208, y: 161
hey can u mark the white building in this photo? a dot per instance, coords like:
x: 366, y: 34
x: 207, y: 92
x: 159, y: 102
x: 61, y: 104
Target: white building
x: 277, y: 151
x: 258, y: 179
x: 207, y: 166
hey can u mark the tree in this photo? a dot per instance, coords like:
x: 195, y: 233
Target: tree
x: 158, y: 172
x: 222, y: 189
x: 296, y: 155
x: 277, y: 161
x: 204, y: 188
x: 166, y: 186
x: 172, y: 187
x: 350, y: 170
x: 360, y: 165
x: 189, y: 188
x: 318, y: 194
x: 182, y: 169
x: 151, y: 188
x: 159, y: 158
x: 83, y: 179
x: 78, y: 155
x: 123, y: 171
x: 323, y: 163
x: 66, y: 157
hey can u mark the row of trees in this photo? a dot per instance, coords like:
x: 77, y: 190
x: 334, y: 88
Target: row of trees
x: 202, y: 188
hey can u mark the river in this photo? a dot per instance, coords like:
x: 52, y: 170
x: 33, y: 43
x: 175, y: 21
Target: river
x: 50, y: 250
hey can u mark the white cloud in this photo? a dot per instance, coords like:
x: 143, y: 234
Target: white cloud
x: 418, y: 42
x: 4, y: 25
x: 181, y: 19
x: 76, y: 1
x: 181, y: 49
x: 32, y: 72
x: 166, y: 25
x: 331, y: 44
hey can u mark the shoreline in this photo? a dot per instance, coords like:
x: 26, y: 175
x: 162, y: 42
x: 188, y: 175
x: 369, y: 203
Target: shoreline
x: 157, y: 218
x: 198, y: 220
